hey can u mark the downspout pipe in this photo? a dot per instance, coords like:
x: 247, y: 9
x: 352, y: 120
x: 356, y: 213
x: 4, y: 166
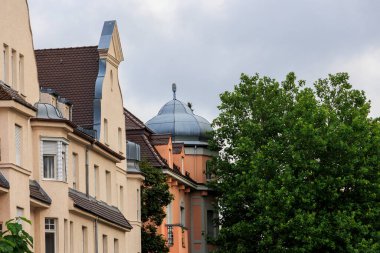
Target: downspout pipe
x: 96, y: 235
x: 87, y: 174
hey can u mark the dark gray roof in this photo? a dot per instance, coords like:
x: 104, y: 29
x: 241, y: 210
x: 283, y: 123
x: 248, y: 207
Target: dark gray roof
x: 98, y: 208
x: 36, y: 192
x: 3, y: 182
x: 177, y: 119
x: 7, y: 93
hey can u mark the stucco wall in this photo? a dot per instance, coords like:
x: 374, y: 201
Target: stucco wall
x: 17, y: 35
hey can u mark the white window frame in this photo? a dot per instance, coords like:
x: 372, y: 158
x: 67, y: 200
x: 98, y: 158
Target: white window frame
x: 51, y: 228
x: 60, y: 159
x: 18, y: 144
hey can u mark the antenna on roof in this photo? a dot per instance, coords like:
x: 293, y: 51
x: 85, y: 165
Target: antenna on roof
x: 174, y: 89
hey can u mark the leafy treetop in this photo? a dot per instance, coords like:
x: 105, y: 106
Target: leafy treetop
x: 298, y: 169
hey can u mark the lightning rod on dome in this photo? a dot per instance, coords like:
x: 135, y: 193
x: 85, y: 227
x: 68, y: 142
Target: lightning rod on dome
x: 174, y: 89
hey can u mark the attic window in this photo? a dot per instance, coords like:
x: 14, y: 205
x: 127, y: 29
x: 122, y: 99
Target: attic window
x: 105, y: 131
x: 111, y: 77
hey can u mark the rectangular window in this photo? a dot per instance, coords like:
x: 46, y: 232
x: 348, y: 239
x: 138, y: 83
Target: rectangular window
x: 182, y: 166
x: 14, y: 69
x: 50, y: 235
x: 75, y: 171
x: 105, y: 244
x: 170, y: 157
x: 170, y: 236
x: 18, y: 144
x: 108, y: 186
x: 208, y: 170
x: 54, y: 160
x: 66, y: 236
x: 5, y: 63
x: 50, y: 159
x: 182, y: 216
x: 116, y: 245
x: 19, y: 213
x: 21, y: 73
x: 120, y: 139
x: 64, y: 161
x: 96, y: 181
x: 84, y: 240
x: 105, y: 131
x: 71, y: 236
x: 169, y: 213
x: 121, y: 198
x: 210, y: 224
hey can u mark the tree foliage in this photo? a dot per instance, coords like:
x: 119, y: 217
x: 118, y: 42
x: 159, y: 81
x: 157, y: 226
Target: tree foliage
x: 299, y: 167
x: 155, y: 196
x: 14, y: 239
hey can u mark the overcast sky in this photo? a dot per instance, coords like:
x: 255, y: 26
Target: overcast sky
x: 204, y: 45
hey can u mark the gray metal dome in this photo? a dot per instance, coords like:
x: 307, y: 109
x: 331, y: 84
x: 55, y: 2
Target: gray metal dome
x: 176, y: 118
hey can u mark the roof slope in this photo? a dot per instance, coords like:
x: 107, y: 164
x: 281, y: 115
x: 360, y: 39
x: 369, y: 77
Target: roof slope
x: 101, y: 209
x: 36, y: 192
x: 132, y: 122
x: 148, y: 152
x: 7, y: 93
x: 3, y: 182
x: 72, y: 73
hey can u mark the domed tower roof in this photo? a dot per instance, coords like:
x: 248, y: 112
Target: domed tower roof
x: 177, y: 119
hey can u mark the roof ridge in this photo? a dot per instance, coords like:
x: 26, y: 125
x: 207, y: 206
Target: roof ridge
x: 63, y: 48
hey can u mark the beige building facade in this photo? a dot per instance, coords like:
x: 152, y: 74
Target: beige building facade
x: 62, y: 142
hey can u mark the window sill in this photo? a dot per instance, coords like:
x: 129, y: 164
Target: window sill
x: 54, y: 180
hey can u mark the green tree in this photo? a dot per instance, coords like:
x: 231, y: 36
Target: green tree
x: 14, y: 239
x: 155, y: 196
x: 298, y: 169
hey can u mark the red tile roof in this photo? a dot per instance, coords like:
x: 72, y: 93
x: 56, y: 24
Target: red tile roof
x: 72, y: 73
x: 7, y: 93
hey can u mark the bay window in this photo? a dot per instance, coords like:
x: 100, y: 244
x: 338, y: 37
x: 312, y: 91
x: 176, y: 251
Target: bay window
x: 54, y: 159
